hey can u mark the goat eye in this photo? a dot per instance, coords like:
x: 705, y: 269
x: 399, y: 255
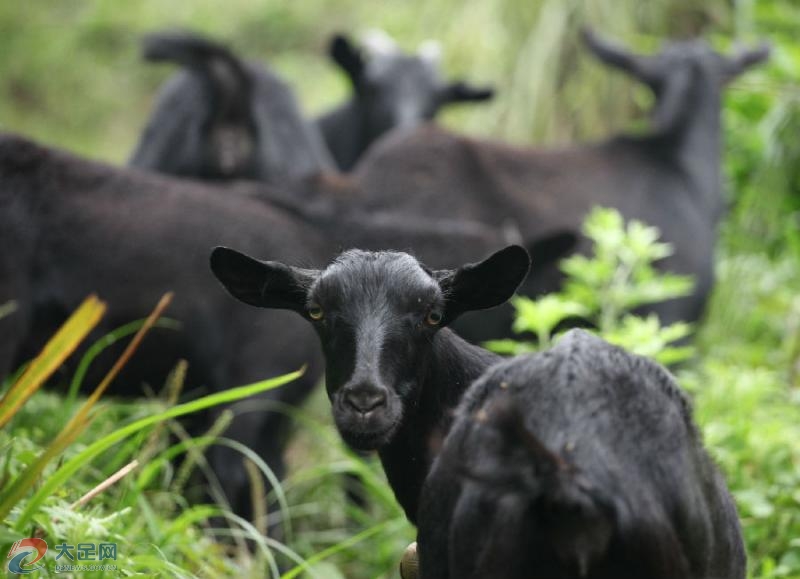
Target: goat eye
x: 434, y: 318
x: 315, y: 312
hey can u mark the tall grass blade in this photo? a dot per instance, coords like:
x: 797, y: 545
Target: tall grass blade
x: 52, y: 356
x: 78, y: 423
x: 122, y: 360
x: 71, y: 466
x: 195, y: 455
x: 332, y: 550
x: 113, y: 479
x: 250, y: 455
x: 100, y: 345
x: 257, y: 496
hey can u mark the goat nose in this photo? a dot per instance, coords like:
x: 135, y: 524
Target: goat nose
x: 364, y: 400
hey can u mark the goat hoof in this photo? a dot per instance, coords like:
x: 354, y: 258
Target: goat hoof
x: 409, y: 564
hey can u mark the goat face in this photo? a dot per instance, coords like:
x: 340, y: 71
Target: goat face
x: 398, y: 90
x: 376, y: 314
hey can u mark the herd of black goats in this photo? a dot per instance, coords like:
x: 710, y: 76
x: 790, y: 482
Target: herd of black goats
x: 580, y: 461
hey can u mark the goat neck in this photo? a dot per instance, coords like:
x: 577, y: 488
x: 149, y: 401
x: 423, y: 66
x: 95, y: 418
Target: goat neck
x: 453, y: 366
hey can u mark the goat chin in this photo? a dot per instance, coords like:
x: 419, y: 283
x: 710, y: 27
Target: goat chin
x: 358, y: 438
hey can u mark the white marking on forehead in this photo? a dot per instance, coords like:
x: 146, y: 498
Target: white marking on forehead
x: 370, y: 339
x: 430, y: 51
x: 377, y: 42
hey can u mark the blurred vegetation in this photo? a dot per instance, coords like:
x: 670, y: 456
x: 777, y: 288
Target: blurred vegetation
x: 70, y: 76
x: 58, y: 476
x: 71, y: 73
x: 604, y: 290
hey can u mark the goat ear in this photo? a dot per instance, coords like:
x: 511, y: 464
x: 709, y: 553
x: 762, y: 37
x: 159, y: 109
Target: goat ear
x: 746, y: 59
x: 264, y: 284
x: 348, y: 57
x: 552, y: 247
x: 615, y: 55
x: 489, y: 283
x: 460, y: 92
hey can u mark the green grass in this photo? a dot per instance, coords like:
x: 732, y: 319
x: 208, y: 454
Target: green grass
x: 71, y: 77
x: 159, y: 531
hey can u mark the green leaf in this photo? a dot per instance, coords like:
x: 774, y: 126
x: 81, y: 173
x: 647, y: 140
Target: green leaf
x: 541, y: 316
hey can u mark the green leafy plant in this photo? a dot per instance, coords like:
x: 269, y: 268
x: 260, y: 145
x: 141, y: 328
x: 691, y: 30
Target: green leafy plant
x: 605, y: 288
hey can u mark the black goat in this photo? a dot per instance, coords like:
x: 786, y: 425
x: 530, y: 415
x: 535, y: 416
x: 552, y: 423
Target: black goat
x: 223, y: 118
x: 579, y: 462
x: 669, y: 177
x: 393, y: 371
x: 390, y: 90
x: 70, y: 227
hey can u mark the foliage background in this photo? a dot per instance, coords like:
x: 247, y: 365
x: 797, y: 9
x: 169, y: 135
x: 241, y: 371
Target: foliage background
x: 70, y: 76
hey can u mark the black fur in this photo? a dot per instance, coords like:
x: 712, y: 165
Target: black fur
x: 223, y: 118
x: 578, y: 462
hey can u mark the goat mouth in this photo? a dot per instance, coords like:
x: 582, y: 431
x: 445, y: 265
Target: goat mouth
x: 369, y: 430
x: 373, y: 439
